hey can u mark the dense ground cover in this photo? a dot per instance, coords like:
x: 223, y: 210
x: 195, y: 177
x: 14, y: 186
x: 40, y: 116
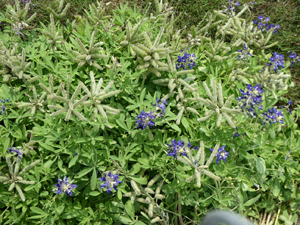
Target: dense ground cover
x: 116, y: 114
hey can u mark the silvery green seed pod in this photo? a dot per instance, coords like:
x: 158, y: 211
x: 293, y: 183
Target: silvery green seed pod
x: 147, y: 58
x: 150, y: 210
x: 155, y: 220
x: 198, y: 177
x: 159, y: 196
x: 211, y: 175
x: 190, y: 178
x: 135, y: 187
x: 229, y: 120
x: 219, y: 120
x: 149, y: 190
x: 203, y: 118
x: 12, y: 186
x: 192, y: 110
x: 153, y: 180
x: 3, y: 179
x: 141, y: 200
x: 128, y: 194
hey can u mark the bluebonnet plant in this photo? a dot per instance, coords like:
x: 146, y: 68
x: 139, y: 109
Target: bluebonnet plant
x: 277, y: 61
x: 262, y: 23
x: 179, y: 148
x: 294, y: 57
x: 64, y: 186
x: 14, y: 150
x: 110, y: 181
x: 187, y: 60
x: 288, y: 156
x: 222, y: 154
x: 145, y: 119
x: 250, y: 98
x: 244, y: 53
x: 230, y: 7
x: 273, y: 116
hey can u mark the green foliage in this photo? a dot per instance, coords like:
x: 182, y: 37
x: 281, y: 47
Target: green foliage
x: 80, y: 120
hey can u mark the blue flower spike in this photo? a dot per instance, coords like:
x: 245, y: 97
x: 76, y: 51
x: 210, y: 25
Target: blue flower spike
x: 178, y: 148
x: 221, y: 154
x: 64, y: 186
x: 110, y: 181
x: 145, y: 119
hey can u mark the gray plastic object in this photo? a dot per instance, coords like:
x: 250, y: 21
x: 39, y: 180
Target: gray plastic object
x: 227, y: 217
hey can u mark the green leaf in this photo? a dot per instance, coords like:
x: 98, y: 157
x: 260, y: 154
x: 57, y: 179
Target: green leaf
x: 125, y: 220
x: 142, y: 96
x: 175, y: 127
x: 260, y: 166
x: 276, y: 187
x: 129, y: 209
x: 60, y: 166
x: 94, y: 180
x: 69, y: 215
x: 252, y: 200
x: 140, y: 180
x: 83, y: 172
x: 94, y: 193
x: 73, y: 161
x: 38, y: 210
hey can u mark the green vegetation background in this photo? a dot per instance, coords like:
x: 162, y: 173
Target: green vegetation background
x: 190, y: 12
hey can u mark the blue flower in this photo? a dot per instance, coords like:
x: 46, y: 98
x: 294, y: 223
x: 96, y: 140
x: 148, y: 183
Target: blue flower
x: 249, y: 99
x: 290, y: 102
x: 179, y: 148
x: 294, y: 57
x: 162, y: 104
x: 15, y: 150
x: 110, y: 181
x: 187, y: 60
x: 64, y: 186
x: 236, y: 135
x: 222, y: 154
x: 277, y: 61
x: 244, y: 53
x: 273, y: 116
x: 145, y: 119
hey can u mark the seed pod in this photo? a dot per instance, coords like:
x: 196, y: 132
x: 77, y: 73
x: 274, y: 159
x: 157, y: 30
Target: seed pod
x: 220, y: 95
x: 150, y: 191
x: 192, y: 110
x: 211, y: 175
x: 3, y: 179
x: 12, y: 186
x: 141, y: 200
x: 229, y: 101
x: 180, y: 115
x: 219, y: 120
x: 33, y: 164
x: 203, y: 118
x: 150, y: 210
x: 147, y: 58
x: 198, y: 177
x: 20, y: 192
x: 213, y: 154
x: 158, y: 189
x: 180, y: 93
x: 153, y: 180
x: 155, y: 220
x: 161, y: 81
x: 135, y: 187
x: 171, y: 83
x: 17, y: 166
x: 190, y: 178
x: 229, y: 120
x: 156, y: 56
x: 88, y: 58
x: 159, y: 196
x: 124, y: 43
x: 128, y: 194
x: 153, y: 63
x: 207, y: 91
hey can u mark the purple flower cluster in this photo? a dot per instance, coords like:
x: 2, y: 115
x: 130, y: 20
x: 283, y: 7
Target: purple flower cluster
x: 260, y: 22
x: 179, y: 148
x: 110, y: 181
x: 237, y: 133
x: 222, y: 154
x: 2, y: 107
x: 64, y: 186
x: 277, y: 61
x: 273, y: 116
x: 187, y: 60
x: 294, y: 57
x: 145, y: 119
x: 14, y: 150
x: 244, y: 53
x: 230, y: 7
x: 287, y: 107
x: 30, y: 3
x: 249, y: 99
